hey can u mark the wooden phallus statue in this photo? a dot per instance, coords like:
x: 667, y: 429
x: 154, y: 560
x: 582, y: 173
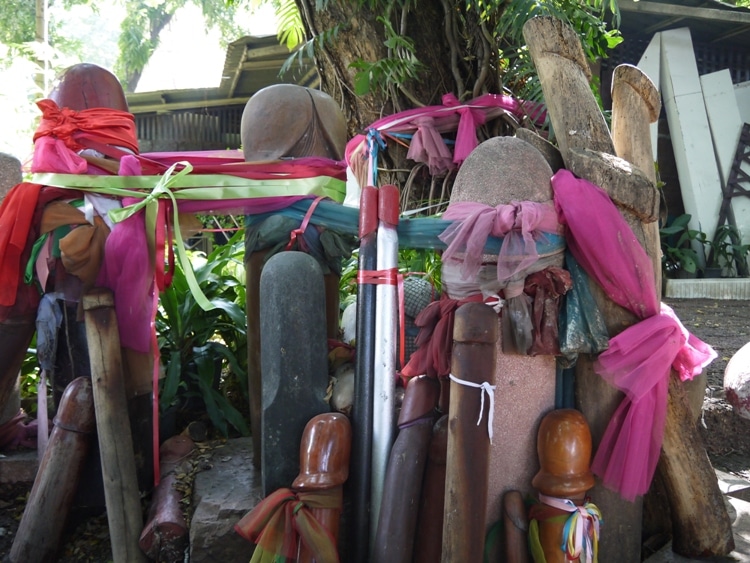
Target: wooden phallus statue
x: 311, y: 123
x: 324, y: 467
x: 396, y: 531
x: 46, y: 513
x: 564, y: 526
x: 310, y: 511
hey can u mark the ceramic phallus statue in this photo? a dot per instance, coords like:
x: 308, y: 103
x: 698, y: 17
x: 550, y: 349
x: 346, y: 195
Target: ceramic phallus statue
x: 564, y: 525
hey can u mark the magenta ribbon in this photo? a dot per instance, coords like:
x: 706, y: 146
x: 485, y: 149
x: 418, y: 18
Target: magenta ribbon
x: 640, y: 358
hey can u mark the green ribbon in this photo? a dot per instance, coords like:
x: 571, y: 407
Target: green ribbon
x: 151, y: 205
x: 183, y: 185
x: 199, y: 186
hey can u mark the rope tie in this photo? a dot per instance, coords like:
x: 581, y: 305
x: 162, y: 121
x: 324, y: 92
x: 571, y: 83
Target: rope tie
x: 581, y: 532
x: 485, y: 387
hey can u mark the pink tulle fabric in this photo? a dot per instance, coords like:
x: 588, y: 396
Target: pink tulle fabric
x: 639, y: 359
x: 128, y: 271
x: 427, y: 145
x: 520, y: 223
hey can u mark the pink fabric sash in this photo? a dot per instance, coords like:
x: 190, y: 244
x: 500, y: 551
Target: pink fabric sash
x: 639, y: 359
x: 428, y: 122
x: 520, y: 223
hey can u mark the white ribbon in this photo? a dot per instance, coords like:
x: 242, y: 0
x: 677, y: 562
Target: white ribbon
x: 495, y: 301
x: 485, y: 388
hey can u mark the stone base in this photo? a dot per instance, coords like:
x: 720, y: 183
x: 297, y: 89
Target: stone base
x: 222, y: 495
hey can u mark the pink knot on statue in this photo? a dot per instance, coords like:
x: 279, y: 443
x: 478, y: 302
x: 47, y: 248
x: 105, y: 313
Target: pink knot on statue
x: 521, y: 224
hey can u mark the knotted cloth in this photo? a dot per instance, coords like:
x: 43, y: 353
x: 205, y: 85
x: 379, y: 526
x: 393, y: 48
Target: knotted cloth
x: 281, y: 520
x: 95, y: 128
x: 580, y: 534
x: 639, y: 359
x: 521, y: 224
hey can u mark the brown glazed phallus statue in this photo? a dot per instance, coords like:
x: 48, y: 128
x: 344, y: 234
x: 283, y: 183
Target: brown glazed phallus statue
x: 564, y: 526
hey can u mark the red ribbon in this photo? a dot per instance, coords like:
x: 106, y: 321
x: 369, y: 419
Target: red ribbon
x: 300, y: 231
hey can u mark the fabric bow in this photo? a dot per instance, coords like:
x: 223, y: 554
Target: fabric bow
x: 580, y: 537
x: 427, y: 145
x: 640, y: 358
x: 520, y: 223
x: 466, y: 134
x: 280, y: 521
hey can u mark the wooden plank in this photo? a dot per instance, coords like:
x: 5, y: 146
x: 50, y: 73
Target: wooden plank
x: 700, y: 183
x: 113, y: 427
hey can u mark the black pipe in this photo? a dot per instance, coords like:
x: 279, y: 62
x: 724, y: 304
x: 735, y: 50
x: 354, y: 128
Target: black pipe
x: 362, y: 409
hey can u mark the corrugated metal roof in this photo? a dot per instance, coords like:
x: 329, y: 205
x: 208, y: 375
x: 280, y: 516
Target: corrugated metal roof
x: 710, y: 21
x: 251, y: 63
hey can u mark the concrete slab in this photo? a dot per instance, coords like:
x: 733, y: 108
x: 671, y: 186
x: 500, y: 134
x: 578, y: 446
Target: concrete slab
x: 742, y: 94
x: 726, y: 127
x: 18, y: 466
x: 700, y: 183
x: 718, y: 288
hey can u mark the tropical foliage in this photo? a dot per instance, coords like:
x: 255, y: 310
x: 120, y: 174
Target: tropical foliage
x: 204, y: 353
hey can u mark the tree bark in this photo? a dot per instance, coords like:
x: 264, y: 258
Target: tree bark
x: 449, y: 41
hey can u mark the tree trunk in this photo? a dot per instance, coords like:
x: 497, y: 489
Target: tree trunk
x: 448, y: 40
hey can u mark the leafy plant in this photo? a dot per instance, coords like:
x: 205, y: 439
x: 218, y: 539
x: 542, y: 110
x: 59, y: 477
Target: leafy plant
x: 678, y: 250
x: 727, y: 252
x: 204, y: 351
x: 29, y: 378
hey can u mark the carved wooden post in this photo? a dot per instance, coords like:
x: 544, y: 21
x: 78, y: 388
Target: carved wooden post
x: 394, y: 541
x: 38, y: 537
x: 588, y: 151
x: 473, y: 368
x: 325, y: 449
x: 165, y: 535
x: 564, y: 447
x: 516, y: 526
x: 115, y: 441
x: 635, y: 105
x: 428, y: 544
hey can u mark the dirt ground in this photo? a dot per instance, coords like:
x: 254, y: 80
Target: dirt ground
x: 723, y: 324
